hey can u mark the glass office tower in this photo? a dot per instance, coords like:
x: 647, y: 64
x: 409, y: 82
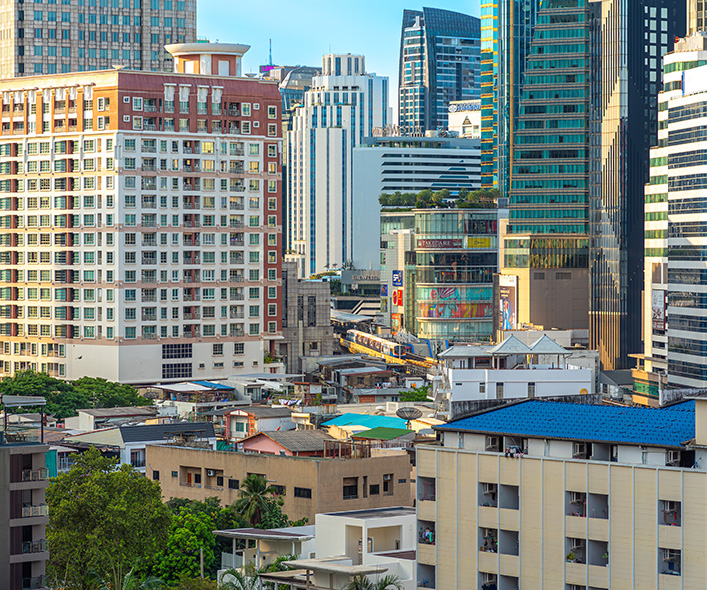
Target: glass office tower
x: 506, y: 37
x: 546, y: 241
x: 631, y: 38
x: 439, y: 63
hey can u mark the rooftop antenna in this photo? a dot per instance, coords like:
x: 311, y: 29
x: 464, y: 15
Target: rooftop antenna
x: 270, y: 53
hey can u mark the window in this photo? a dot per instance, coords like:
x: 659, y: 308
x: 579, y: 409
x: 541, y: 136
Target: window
x: 233, y: 484
x: 350, y: 490
x: 303, y: 492
x: 272, y: 112
x: 375, y: 489
x: 155, y: 475
x: 388, y: 484
x: 175, y: 474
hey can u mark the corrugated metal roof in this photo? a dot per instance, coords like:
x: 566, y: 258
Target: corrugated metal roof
x: 264, y: 411
x: 298, y: 441
x: 383, y: 433
x: 149, y: 432
x: 667, y: 427
x: 214, y: 385
x: 366, y: 420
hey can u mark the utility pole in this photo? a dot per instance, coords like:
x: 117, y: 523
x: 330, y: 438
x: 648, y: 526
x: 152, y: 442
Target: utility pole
x: 201, y: 560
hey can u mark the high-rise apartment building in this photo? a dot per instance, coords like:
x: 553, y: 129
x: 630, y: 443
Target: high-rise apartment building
x: 675, y: 271
x: 439, y: 63
x: 546, y: 243
x: 140, y: 220
x: 87, y: 35
x: 24, y: 478
x: 630, y: 39
x: 343, y: 106
x: 506, y: 36
x: 696, y: 16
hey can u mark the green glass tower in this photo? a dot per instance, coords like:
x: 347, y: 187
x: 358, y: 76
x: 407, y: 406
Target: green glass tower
x: 546, y: 241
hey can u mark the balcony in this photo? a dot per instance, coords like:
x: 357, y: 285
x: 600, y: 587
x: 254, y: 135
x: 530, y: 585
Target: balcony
x: 32, y: 511
x: 426, y: 509
x: 426, y: 554
x: 34, y: 474
x: 35, y: 583
x: 34, y: 546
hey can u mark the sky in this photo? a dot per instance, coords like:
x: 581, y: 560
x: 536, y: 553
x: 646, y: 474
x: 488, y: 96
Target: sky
x: 304, y: 30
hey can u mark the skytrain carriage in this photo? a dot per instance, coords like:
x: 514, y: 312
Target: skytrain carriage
x: 375, y: 345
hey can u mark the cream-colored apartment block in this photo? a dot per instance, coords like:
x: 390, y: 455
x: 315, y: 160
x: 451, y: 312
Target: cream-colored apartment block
x: 535, y: 509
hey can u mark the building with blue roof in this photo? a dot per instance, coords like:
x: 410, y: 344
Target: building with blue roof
x: 566, y: 495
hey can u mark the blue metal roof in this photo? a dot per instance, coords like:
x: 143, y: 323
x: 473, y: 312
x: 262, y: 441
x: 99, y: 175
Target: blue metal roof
x: 367, y: 421
x: 670, y: 427
x: 214, y: 385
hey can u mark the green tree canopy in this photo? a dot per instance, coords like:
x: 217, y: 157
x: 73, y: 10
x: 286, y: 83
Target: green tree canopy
x: 103, y: 520
x: 418, y: 394
x: 64, y: 398
x: 361, y: 582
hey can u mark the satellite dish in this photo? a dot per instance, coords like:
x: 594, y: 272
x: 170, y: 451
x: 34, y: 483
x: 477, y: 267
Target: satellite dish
x: 408, y: 413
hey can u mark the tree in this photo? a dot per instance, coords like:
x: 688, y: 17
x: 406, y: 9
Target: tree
x: 190, y: 534
x: 61, y: 397
x: 109, y: 394
x: 103, y: 519
x: 361, y: 582
x: 233, y: 579
x: 384, y: 199
x: 253, y: 498
x: 187, y: 583
x: 134, y: 582
x: 415, y: 395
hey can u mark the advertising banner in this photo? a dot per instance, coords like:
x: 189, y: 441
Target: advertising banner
x: 397, y: 278
x: 508, y: 301
x: 658, y: 310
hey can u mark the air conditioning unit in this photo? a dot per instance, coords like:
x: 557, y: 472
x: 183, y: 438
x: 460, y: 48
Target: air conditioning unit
x: 577, y: 497
x: 577, y: 544
x: 210, y: 472
x: 489, y: 488
x: 673, y: 458
x: 492, y: 443
x: 580, y: 449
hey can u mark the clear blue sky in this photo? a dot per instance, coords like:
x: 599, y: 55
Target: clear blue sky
x: 302, y: 31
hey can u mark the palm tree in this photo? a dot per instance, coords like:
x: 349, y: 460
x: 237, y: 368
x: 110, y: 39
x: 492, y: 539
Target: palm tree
x: 233, y: 579
x: 255, y: 497
x: 361, y: 582
x: 133, y: 582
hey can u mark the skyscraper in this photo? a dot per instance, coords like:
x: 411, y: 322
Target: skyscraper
x: 546, y: 243
x: 696, y: 16
x: 86, y: 35
x: 343, y: 106
x: 625, y: 77
x: 506, y: 36
x: 439, y: 63
x: 675, y: 215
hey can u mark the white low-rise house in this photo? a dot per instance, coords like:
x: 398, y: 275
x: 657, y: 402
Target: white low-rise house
x: 249, y: 420
x: 511, y: 370
x: 95, y: 418
x: 374, y: 543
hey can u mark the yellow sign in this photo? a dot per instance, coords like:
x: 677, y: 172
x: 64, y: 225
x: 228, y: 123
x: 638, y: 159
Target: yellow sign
x: 479, y: 243
x: 583, y: 391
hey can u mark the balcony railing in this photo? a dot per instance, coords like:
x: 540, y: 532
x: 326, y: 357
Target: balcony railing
x: 34, y: 546
x: 30, y: 511
x: 35, y: 583
x: 34, y: 475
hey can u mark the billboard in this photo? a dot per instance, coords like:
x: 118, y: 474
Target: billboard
x: 508, y: 301
x: 397, y: 278
x: 658, y: 309
x: 384, y: 290
x: 396, y: 321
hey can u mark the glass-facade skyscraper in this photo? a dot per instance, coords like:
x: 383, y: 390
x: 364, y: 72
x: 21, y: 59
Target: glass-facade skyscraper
x: 506, y: 36
x: 439, y: 63
x: 546, y: 240
x: 631, y: 38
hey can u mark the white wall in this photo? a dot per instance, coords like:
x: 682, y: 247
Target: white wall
x: 548, y: 382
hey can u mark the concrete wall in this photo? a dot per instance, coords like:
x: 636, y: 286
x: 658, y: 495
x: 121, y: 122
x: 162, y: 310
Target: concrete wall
x: 633, y: 534
x: 323, y: 477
